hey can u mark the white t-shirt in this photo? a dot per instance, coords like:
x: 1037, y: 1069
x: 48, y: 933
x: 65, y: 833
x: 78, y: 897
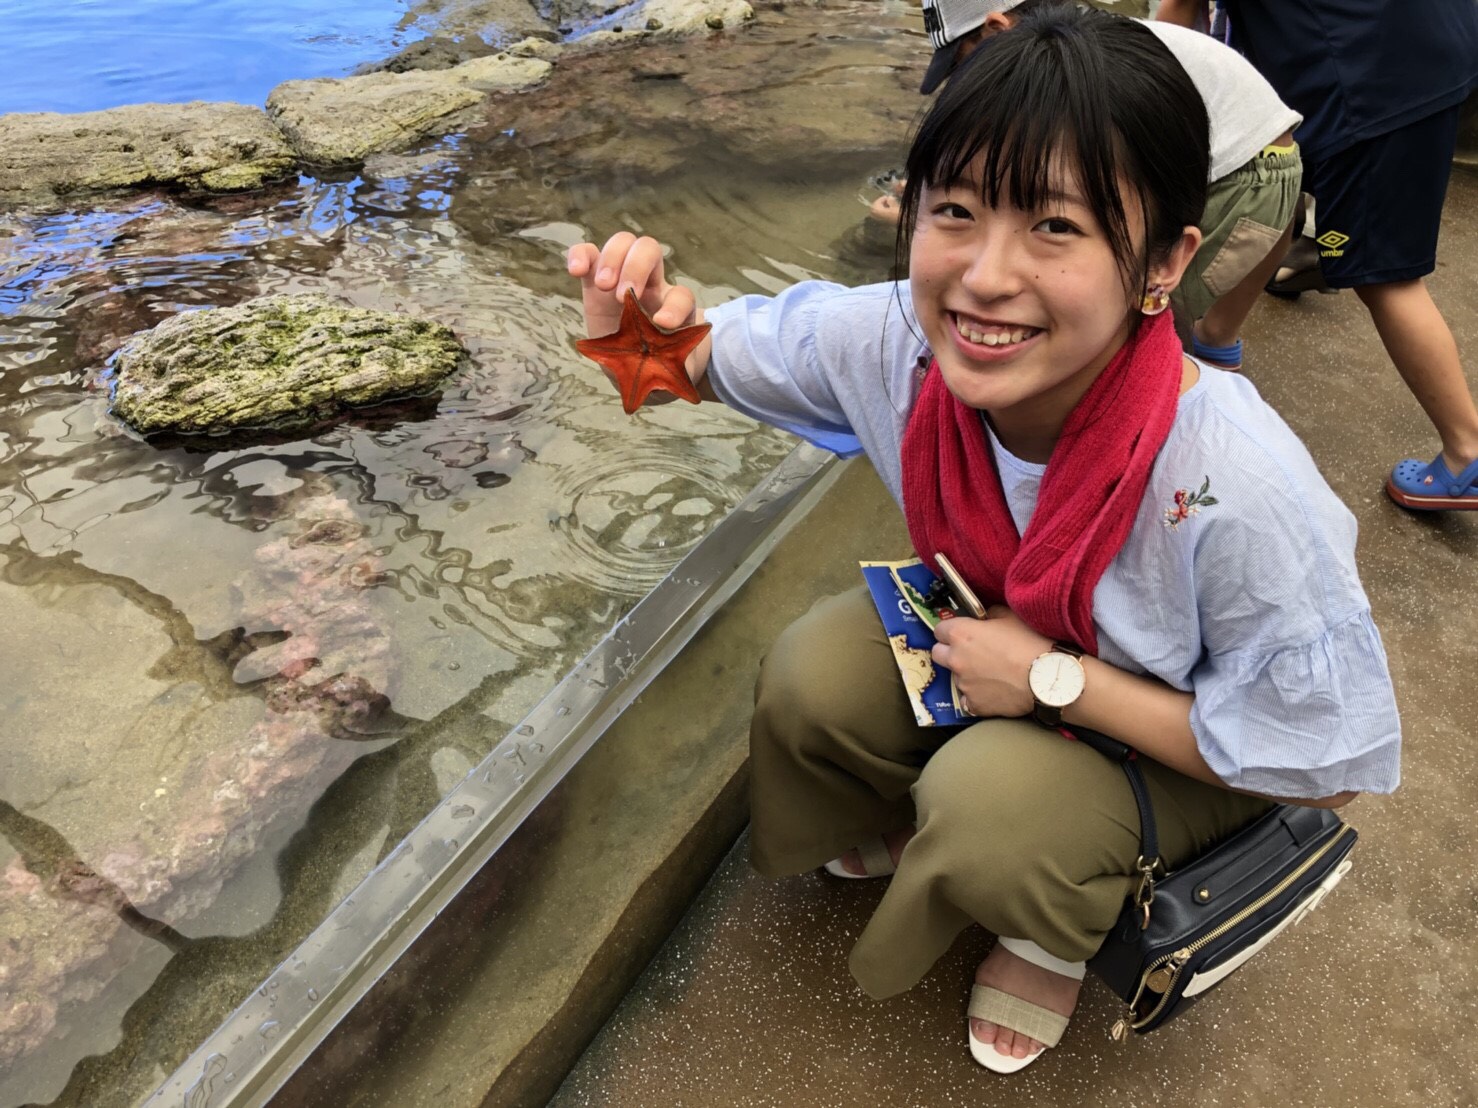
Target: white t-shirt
x: 1245, y: 112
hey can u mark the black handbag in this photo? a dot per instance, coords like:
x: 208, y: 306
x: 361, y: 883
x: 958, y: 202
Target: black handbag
x: 1181, y: 933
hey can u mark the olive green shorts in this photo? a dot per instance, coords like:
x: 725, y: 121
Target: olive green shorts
x: 1247, y: 212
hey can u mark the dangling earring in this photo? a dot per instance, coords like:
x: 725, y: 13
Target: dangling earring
x: 1155, y: 300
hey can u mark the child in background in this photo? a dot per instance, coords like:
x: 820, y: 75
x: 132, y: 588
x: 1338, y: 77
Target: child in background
x: 1381, y: 84
x: 1138, y: 522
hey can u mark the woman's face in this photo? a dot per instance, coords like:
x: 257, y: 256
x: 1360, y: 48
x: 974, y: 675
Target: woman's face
x: 1021, y: 308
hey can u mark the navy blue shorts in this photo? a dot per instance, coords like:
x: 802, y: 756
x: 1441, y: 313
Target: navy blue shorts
x: 1378, y: 204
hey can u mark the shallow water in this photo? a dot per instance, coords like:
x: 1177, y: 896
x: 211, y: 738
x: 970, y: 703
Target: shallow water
x: 236, y: 676
x: 85, y: 55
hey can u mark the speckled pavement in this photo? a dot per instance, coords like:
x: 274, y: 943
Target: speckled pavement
x: 1372, y: 1002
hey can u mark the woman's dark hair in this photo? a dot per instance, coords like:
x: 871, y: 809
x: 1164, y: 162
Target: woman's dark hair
x: 1097, y: 90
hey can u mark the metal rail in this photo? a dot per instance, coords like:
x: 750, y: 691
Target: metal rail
x: 249, y: 1057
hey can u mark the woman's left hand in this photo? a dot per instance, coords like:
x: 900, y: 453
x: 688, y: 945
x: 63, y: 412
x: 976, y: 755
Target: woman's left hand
x: 990, y: 658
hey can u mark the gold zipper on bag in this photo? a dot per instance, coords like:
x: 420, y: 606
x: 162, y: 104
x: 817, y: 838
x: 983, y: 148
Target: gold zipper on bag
x: 1162, y: 975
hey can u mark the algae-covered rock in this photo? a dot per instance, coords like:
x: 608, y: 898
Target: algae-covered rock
x: 223, y: 147
x: 275, y: 362
x: 338, y: 121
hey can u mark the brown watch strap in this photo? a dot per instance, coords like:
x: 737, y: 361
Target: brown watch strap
x: 1047, y: 715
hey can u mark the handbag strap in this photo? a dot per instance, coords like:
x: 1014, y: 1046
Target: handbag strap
x: 1149, y: 860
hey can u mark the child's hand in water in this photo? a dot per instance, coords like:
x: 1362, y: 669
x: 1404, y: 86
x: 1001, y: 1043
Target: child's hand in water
x: 886, y: 209
x: 630, y: 262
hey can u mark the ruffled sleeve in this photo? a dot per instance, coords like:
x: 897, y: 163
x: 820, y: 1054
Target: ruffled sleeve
x: 1307, y: 720
x: 1293, y: 696
x: 1239, y: 585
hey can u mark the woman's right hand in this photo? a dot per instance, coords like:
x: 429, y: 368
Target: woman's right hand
x: 626, y: 261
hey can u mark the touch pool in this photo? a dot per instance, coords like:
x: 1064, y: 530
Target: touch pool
x: 239, y: 674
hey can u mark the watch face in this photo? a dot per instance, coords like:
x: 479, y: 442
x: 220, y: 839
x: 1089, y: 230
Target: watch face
x: 1056, y: 679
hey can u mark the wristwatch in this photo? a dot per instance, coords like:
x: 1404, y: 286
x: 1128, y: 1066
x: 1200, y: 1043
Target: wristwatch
x: 1056, y: 680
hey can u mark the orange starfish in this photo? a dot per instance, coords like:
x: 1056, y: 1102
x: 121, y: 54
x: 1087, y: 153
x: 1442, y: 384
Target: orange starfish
x: 642, y: 357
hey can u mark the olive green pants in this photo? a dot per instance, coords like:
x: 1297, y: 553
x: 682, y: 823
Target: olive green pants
x: 1019, y: 829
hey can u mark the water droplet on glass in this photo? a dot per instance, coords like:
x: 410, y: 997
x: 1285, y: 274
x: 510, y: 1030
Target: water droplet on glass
x: 564, y: 710
x: 312, y: 994
x: 198, y: 1095
x: 270, y: 1029
x: 526, y: 729
x: 537, y: 748
x: 454, y: 665
x: 451, y: 844
x: 230, y: 1077
x: 462, y: 811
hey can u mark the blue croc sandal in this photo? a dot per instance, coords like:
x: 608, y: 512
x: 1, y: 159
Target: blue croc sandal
x: 1222, y: 357
x: 1431, y: 487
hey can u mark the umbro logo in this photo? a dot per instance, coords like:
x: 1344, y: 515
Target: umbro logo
x: 1332, y: 241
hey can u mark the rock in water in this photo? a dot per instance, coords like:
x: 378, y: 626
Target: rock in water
x: 333, y: 121
x: 48, y: 156
x: 275, y: 362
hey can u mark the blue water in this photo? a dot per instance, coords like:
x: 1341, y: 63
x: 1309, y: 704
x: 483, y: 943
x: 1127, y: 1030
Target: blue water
x: 83, y: 55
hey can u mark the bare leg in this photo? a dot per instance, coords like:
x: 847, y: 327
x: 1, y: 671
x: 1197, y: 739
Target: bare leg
x: 1223, y: 321
x: 1421, y: 345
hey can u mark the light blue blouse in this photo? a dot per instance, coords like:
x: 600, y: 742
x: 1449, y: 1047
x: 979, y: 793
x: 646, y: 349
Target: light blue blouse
x: 1237, y: 581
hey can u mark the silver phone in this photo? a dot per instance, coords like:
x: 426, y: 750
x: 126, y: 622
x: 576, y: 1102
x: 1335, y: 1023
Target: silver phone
x: 965, y: 599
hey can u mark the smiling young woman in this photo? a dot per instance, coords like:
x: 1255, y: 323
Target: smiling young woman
x: 1018, y: 304
x: 1162, y: 560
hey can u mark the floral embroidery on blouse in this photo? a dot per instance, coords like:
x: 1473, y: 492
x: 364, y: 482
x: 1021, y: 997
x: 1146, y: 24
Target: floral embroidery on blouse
x: 1187, y: 504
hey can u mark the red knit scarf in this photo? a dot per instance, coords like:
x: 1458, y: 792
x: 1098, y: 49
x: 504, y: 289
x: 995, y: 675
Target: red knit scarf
x: 1090, y: 494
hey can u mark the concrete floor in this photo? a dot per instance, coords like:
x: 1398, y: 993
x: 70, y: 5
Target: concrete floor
x: 1372, y: 1002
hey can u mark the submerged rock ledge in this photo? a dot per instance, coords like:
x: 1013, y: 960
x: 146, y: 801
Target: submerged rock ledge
x: 277, y: 362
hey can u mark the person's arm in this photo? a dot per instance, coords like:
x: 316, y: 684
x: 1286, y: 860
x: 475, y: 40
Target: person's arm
x: 991, y: 658
x: 1186, y: 13
x: 1154, y: 719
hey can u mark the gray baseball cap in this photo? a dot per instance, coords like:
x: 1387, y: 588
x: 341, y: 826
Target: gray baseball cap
x: 946, y: 21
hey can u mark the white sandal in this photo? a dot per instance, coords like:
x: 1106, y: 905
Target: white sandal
x: 1021, y: 1016
x: 876, y: 862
